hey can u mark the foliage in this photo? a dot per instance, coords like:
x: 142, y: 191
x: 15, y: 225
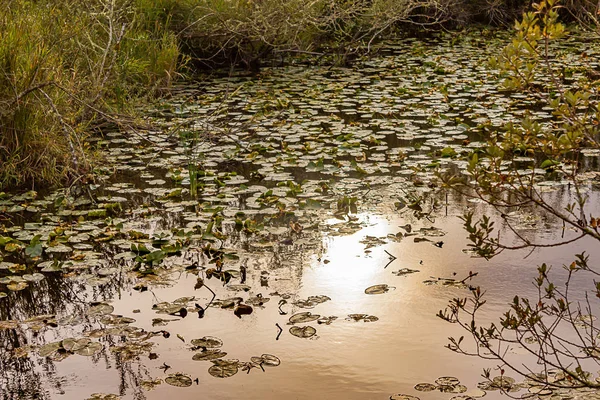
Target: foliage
x: 556, y: 327
x: 64, y: 68
x: 247, y: 31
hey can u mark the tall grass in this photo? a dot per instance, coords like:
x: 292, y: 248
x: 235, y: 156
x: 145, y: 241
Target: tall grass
x: 63, y: 67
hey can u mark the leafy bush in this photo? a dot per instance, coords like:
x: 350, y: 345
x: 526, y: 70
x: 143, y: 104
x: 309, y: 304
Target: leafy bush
x: 63, y: 67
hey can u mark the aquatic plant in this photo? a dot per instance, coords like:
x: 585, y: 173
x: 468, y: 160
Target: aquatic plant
x: 68, y: 69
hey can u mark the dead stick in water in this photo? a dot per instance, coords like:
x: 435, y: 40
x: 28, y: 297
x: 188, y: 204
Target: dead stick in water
x: 280, y: 330
x: 392, y: 258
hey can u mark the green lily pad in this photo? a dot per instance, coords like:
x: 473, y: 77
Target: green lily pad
x: 12, y: 247
x: 35, y: 277
x: 49, y: 348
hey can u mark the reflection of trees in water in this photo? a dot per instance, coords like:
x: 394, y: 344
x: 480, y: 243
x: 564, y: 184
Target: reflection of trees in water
x: 20, y: 378
x: 34, y: 377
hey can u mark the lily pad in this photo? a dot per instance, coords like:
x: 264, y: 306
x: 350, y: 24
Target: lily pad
x: 312, y: 301
x: 209, y: 355
x: 208, y: 342
x: 103, y: 396
x: 303, y: 332
x: 447, y: 381
x: 303, y: 317
x: 150, y: 384
x: 425, y: 387
x: 49, y: 348
x: 8, y: 324
x: 17, y: 286
x: 100, y: 309
x: 73, y: 345
x: 179, y: 380
x: 378, y: 289
x: 362, y: 317
x: 405, y: 271
x: 268, y: 360
x: 90, y: 349
x: 224, y: 368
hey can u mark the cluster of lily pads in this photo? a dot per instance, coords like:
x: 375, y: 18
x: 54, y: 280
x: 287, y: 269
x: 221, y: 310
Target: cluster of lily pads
x: 286, y: 157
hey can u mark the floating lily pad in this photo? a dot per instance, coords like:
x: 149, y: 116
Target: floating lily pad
x: 90, y: 349
x: 312, y: 301
x: 403, y: 397
x: 405, y: 271
x: 208, y: 342
x: 100, y: 309
x: 150, y: 384
x: 475, y: 393
x: 209, y: 355
x: 35, y: 277
x: 103, y: 396
x: 540, y: 391
x: 447, y: 381
x: 17, y: 286
x: 49, y: 348
x: 377, y: 289
x: 362, y: 317
x: 268, y: 360
x: 303, y: 332
x: 327, y: 320
x: 73, y: 345
x: 9, y: 324
x: 257, y: 300
x: 224, y: 368
x: 425, y: 387
x: 303, y: 317
x: 179, y: 380
x: 452, y: 388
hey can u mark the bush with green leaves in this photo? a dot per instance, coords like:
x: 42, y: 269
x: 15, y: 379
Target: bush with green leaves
x: 66, y: 66
x: 556, y: 327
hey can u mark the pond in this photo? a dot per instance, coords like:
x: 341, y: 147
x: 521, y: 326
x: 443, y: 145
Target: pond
x: 305, y: 254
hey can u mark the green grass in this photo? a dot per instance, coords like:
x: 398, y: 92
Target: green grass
x: 65, y: 66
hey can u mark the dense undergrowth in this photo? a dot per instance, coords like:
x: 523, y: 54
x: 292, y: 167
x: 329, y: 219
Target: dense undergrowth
x: 64, y: 68
x: 68, y: 67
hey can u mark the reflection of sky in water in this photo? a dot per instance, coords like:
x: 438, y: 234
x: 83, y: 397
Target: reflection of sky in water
x: 347, y: 359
